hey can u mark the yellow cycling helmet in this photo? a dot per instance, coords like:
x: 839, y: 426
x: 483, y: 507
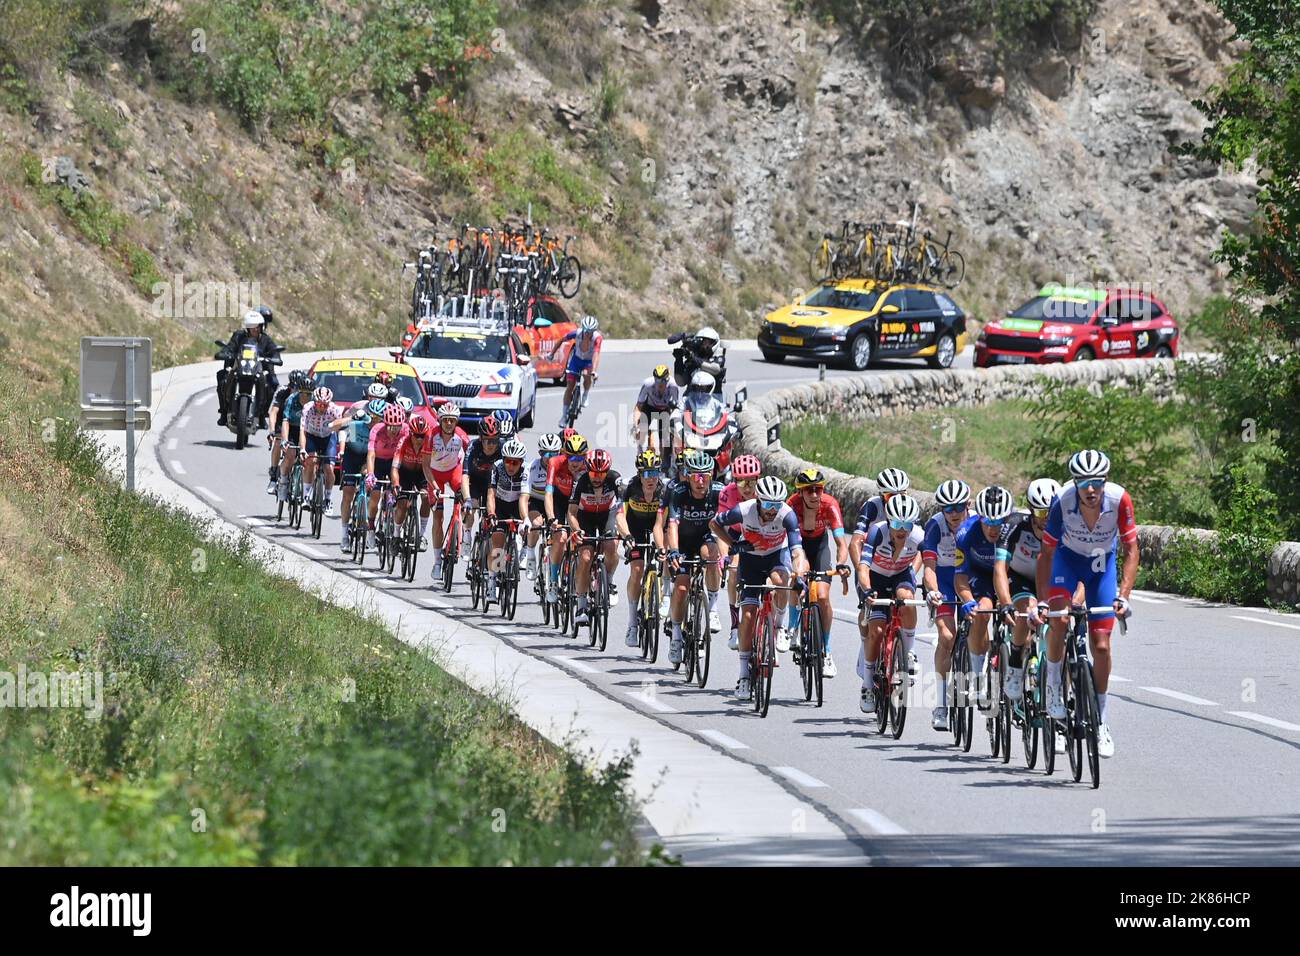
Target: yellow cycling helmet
x: 648, y: 460
x: 809, y: 477
x: 661, y: 372
x: 575, y: 445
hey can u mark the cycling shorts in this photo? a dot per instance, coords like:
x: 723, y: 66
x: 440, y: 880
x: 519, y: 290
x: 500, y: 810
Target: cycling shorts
x: 1100, y: 587
x: 755, y: 568
x: 887, y: 588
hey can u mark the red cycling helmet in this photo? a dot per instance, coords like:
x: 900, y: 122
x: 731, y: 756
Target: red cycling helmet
x: 599, y: 461
x: 419, y: 425
x: 746, y: 467
x: 393, y: 415
x: 489, y: 428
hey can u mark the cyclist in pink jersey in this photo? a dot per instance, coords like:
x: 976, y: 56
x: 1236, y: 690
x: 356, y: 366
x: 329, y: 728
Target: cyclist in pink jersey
x: 379, y: 459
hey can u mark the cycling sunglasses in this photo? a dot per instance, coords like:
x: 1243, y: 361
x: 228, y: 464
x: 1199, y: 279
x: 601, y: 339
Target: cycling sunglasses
x: 1091, y: 484
x: 652, y: 474
x: 1042, y: 513
x: 769, y: 505
x: 746, y: 483
x: 815, y: 489
x: 953, y: 509
x: 901, y: 525
x: 994, y: 524
x: 573, y: 458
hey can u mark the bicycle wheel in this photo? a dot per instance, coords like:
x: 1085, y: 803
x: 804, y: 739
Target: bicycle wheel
x: 1087, y: 696
x: 1073, y: 720
x: 1047, y: 724
x: 450, y: 556
x: 991, y: 723
x: 703, y: 640
x: 1029, y: 717
x: 951, y: 269
x: 819, y: 656
x: 474, y: 575
x: 593, y: 627
x: 881, y: 680
x: 819, y: 265
x: 654, y: 627
x: 600, y: 614
x: 390, y: 535
x: 767, y: 664
x: 806, y: 650
x: 900, y: 686
x: 570, y: 278
x: 412, y: 540
x: 317, y: 503
x: 1004, y: 705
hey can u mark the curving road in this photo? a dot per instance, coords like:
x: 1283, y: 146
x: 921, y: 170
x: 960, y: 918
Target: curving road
x: 1204, y: 707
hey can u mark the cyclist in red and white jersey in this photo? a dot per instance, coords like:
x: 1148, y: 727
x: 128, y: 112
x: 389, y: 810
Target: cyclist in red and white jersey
x: 822, y: 527
x: 447, y: 455
x: 411, y: 470
x: 1088, y: 522
x: 746, y: 470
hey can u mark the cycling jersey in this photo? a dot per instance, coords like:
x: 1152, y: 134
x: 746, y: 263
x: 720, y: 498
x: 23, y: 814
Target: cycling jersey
x: 282, y: 396
x: 975, y: 552
x: 828, y: 516
x: 641, y: 511
x: 293, y: 409
x: 729, y: 498
x: 411, y: 457
x: 592, y: 500
x: 583, y: 355
x: 873, y: 510
x: 383, y: 444
x: 1018, y: 545
x: 558, y: 476
x: 317, y: 421
x: 882, y: 557
x: 940, y: 543
x: 763, y: 537
x: 479, y: 463
x: 685, y: 508
x: 537, y: 476
x: 357, y: 435
x: 1067, y: 529
x: 649, y: 399
x: 448, y: 453
x: 505, y: 487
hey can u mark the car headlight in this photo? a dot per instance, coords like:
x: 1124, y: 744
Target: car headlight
x: 496, y: 389
x: 1056, y: 342
x: 835, y: 335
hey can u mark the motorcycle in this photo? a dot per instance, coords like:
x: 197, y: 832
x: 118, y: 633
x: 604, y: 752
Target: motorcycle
x: 705, y: 422
x: 246, y: 384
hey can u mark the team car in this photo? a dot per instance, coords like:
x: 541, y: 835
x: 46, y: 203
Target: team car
x: 856, y: 321
x: 347, y: 378
x: 477, y: 361
x: 543, y: 326
x: 1066, y: 324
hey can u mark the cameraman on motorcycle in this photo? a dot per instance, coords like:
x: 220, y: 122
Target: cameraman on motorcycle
x: 701, y: 352
x: 253, y: 330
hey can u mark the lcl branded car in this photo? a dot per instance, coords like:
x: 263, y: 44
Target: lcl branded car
x: 856, y: 321
x: 1066, y: 324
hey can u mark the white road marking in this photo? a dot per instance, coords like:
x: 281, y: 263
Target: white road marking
x: 171, y: 444
x: 577, y: 665
x: 1178, y: 695
x: 206, y: 397
x: 1154, y: 597
x: 255, y: 522
x: 1271, y: 721
x: 211, y: 494
x: 1147, y: 600
x: 878, y: 822
x: 799, y: 777
x: 1122, y: 680
x: 434, y: 602
x: 178, y: 467
x: 1260, y: 620
x: 308, y: 549
x: 182, y: 421
x: 718, y: 737
x: 651, y: 701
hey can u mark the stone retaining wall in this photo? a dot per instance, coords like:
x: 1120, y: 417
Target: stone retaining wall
x: 868, y: 397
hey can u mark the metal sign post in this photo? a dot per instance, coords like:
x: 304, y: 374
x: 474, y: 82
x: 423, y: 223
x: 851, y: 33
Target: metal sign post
x: 116, y: 386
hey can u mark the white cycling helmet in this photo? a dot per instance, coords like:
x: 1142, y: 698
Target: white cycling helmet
x: 771, y: 489
x: 1042, y: 492
x: 709, y: 333
x: 590, y: 323
x: 952, y: 492
x: 253, y: 318
x: 405, y: 402
x: 703, y: 382
x: 376, y: 390
x: 893, y: 481
x: 514, y: 448
x: 549, y: 443
x: 449, y: 410
x: 1089, y: 463
x: 903, y: 507
x: 994, y: 503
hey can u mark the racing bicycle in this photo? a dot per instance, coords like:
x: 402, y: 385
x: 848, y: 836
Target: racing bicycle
x: 317, y: 504
x: 893, y: 677
x: 598, y: 593
x: 293, y: 497
x: 507, y: 565
x: 408, y: 538
x: 451, y: 540
x: 652, y: 593
x: 810, y: 653
x: 1083, y: 719
x: 762, y: 658
x: 696, y: 637
x: 358, y: 518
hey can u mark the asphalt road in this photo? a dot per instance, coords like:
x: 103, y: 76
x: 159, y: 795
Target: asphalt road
x: 1204, y: 704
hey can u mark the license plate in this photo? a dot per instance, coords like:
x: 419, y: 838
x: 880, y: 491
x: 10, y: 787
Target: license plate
x: 1011, y: 359
x: 788, y: 340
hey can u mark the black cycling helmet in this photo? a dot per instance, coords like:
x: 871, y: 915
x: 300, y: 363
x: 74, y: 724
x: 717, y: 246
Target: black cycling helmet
x: 298, y: 380
x: 267, y: 314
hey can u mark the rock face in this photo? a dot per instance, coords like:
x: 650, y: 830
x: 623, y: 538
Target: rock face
x: 1051, y: 163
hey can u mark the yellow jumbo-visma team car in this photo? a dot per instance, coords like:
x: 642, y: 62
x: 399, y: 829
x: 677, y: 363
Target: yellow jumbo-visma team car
x: 856, y: 321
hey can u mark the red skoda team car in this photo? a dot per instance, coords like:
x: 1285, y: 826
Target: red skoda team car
x: 1063, y: 324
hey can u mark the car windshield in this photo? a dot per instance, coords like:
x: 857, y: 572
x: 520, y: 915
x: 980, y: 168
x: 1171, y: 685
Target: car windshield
x: 1052, y: 308
x: 829, y: 297
x: 705, y: 409
x: 352, y: 388
x: 461, y: 347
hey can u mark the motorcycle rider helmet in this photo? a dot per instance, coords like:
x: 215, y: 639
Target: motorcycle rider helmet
x: 702, y: 382
x: 710, y: 335
x: 267, y: 315
x: 253, y: 319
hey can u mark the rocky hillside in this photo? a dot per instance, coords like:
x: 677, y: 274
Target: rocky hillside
x: 695, y: 146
